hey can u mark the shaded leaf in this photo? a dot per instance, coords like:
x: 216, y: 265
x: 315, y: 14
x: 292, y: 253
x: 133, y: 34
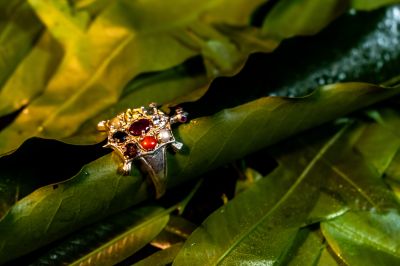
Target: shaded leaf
x: 162, y: 257
x: 251, y: 177
x: 25, y: 171
x: 309, y: 249
x: 126, y: 244
x: 122, y: 233
x: 327, y: 259
x: 368, y: 37
x: 177, y: 230
x: 51, y: 208
x: 365, y: 238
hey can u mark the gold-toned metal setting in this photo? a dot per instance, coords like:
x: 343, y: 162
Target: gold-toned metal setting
x: 143, y: 134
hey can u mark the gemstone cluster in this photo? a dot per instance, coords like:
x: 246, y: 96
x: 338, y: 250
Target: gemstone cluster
x: 141, y: 131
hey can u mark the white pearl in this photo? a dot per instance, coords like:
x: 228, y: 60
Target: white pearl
x: 164, y: 135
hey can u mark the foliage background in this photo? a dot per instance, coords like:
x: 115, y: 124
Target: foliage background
x: 325, y: 191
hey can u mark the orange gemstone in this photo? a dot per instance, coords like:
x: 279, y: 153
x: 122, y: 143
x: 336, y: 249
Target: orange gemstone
x: 149, y: 143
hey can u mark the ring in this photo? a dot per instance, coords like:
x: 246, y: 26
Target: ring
x: 143, y: 134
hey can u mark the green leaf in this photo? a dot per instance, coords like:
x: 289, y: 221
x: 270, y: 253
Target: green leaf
x: 31, y: 76
x: 327, y: 259
x: 178, y: 84
x: 251, y: 176
x: 285, y: 20
x: 162, y: 257
x: 365, y: 238
x: 18, y: 30
x: 177, y: 230
x: 210, y: 140
x: 289, y: 18
x: 371, y: 4
x: 108, y: 241
x: 261, y: 224
x: 16, y: 181
x: 309, y: 249
x: 126, y: 244
x: 50, y: 208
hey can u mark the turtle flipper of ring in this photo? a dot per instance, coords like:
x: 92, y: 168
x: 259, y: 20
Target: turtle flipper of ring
x: 140, y: 133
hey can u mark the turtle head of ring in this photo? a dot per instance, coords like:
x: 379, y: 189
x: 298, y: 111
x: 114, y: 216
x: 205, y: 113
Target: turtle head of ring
x: 141, y: 131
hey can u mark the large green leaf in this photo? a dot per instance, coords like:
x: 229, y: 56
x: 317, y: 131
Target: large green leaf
x: 262, y: 223
x: 365, y: 238
x: 54, y: 211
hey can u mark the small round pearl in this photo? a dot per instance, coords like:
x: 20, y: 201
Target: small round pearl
x: 164, y: 135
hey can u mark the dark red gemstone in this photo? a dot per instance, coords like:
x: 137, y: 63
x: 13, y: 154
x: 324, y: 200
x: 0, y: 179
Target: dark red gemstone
x: 119, y: 136
x: 137, y: 127
x: 149, y: 143
x: 130, y: 150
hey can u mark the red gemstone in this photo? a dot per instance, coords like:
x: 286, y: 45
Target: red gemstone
x: 149, y: 143
x: 137, y: 127
x: 130, y: 150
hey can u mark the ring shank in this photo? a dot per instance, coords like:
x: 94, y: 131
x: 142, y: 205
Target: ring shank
x: 156, y: 168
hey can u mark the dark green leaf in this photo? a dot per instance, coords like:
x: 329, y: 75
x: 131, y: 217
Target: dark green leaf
x: 365, y: 238
x: 162, y: 257
x: 309, y: 249
x: 126, y: 244
x: 108, y: 241
x: 24, y: 170
x: 177, y: 230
